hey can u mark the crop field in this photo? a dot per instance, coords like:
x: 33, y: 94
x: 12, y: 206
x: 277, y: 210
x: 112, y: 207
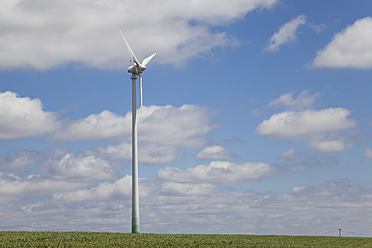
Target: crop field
x: 91, y: 239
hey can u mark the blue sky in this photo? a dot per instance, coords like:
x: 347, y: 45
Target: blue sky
x: 256, y: 116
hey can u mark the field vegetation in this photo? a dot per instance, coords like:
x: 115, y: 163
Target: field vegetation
x: 92, y: 239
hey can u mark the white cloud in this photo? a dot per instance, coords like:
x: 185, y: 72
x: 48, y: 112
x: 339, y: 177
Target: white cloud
x: 46, y: 34
x: 291, y: 124
x: 295, y: 161
x: 11, y: 185
x: 368, y: 153
x: 103, y: 192
x: 22, y: 117
x: 172, y: 207
x: 317, y: 28
x: 286, y: 33
x: 351, y: 48
x: 289, y: 154
x: 122, y: 151
x: 162, y: 131
x: 214, y: 153
x: 328, y: 143
x: 66, y: 200
x: 185, y: 126
x: 303, y: 101
x: 158, y: 154
x: 217, y: 171
x: 66, y: 166
x: 147, y: 153
x: 323, y: 130
x: 20, y: 161
x: 95, y: 127
x: 173, y: 188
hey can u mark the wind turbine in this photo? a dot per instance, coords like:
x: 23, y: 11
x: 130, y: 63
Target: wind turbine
x: 136, y: 70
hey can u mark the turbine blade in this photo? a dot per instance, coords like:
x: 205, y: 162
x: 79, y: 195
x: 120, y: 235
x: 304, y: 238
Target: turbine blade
x: 140, y: 81
x: 130, y: 49
x: 147, y: 60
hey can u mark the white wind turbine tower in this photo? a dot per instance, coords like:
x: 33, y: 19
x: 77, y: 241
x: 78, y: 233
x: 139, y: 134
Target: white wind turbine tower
x: 136, y: 70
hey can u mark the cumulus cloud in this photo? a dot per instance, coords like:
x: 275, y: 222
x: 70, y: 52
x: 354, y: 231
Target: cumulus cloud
x: 289, y: 154
x: 217, y: 171
x: 173, y: 188
x: 291, y: 124
x: 33, y: 185
x: 147, y: 153
x: 185, y: 126
x: 214, y: 153
x: 158, y: 154
x: 295, y: 161
x: 63, y: 165
x: 20, y: 161
x: 286, y: 33
x: 303, y: 101
x: 95, y: 127
x: 351, y: 48
x: 81, y: 192
x: 164, y: 125
x: 102, y: 192
x: 162, y: 131
x: 22, y: 117
x: 329, y: 143
x: 323, y: 130
x: 167, y: 207
x: 46, y: 34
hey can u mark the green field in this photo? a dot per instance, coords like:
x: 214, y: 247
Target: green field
x: 91, y: 239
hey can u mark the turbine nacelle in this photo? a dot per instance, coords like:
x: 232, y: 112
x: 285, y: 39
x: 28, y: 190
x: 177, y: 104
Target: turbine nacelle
x: 135, y: 69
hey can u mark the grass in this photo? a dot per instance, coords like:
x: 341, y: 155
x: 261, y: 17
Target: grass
x: 91, y: 239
